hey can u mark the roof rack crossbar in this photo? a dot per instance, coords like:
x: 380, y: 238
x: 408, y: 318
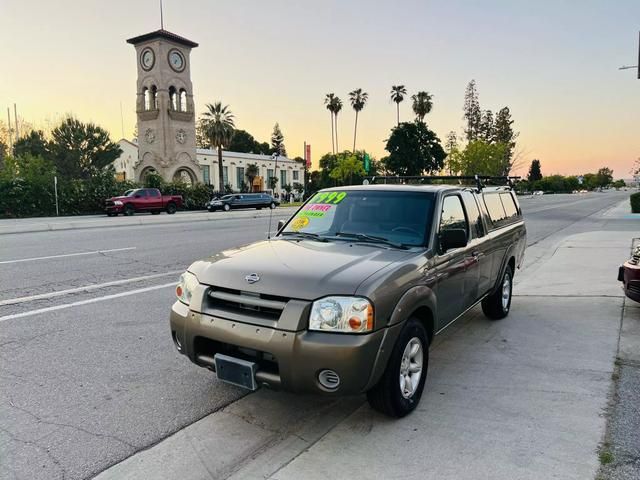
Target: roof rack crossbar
x: 478, y: 179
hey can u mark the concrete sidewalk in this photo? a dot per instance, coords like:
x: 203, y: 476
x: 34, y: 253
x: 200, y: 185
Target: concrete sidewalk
x: 44, y: 224
x: 521, y: 398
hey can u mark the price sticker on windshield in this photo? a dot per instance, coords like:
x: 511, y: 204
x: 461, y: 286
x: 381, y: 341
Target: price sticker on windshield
x: 329, y: 197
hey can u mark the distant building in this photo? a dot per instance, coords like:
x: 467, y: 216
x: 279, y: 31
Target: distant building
x: 234, y: 164
x: 167, y: 131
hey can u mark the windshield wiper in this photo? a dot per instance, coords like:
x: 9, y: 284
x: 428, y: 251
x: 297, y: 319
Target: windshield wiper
x: 370, y: 238
x: 309, y: 235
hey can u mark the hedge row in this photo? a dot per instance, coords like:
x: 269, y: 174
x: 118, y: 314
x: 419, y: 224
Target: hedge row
x: 635, y: 202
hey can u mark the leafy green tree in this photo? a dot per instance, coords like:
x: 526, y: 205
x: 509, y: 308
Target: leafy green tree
x: 154, y: 180
x: 273, y: 182
x: 487, y: 129
x: 327, y: 163
x: 604, y: 177
x: 80, y: 150
x: 277, y: 142
x: 34, y: 144
x: 347, y: 165
x: 298, y: 187
x: 414, y: 149
x: 504, y: 134
x: 619, y: 184
x: 218, y: 126
x: 358, y: 100
x: 535, y: 172
x: 422, y: 104
x: 472, y: 112
x: 4, y: 149
x: 243, y: 142
x: 251, y: 172
x: 27, y: 188
x: 480, y: 158
x: 397, y: 95
x: 329, y: 101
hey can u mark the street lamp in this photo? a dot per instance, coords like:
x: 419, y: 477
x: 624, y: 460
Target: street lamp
x: 629, y: 67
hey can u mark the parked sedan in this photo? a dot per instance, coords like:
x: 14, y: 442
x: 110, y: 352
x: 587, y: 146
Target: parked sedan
x: 629, y: 273
x: 243, y: 200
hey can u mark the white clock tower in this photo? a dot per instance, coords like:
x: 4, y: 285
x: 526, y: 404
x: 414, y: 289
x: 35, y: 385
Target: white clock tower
x: 164, y: 106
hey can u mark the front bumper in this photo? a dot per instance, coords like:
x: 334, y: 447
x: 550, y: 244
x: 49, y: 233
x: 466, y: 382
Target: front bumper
x: 113, y: 208
x: 629, y: 275
x: 287, y: 360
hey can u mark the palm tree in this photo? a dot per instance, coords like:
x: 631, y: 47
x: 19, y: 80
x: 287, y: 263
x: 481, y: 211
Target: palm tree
x: 358, y: 100
x: 422, y: 104
x: 397, y: 95
x: 337, y: 106
x: 251, y: 173
x: 218, y: 126
x: 329, y: 101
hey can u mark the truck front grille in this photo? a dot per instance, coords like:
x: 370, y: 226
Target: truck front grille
x: 229, y: 303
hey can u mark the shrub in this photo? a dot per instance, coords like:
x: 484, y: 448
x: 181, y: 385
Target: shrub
x: 635, y: 202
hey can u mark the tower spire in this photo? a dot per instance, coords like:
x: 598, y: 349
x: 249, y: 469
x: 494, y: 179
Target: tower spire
x: 161, y: 17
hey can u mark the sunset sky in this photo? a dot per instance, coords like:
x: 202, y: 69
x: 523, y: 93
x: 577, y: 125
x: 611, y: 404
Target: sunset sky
x: 553, y: 62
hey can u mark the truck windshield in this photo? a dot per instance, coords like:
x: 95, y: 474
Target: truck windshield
x: 394, y: 216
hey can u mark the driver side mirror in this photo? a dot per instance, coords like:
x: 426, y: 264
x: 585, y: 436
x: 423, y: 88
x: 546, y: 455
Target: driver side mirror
x: 453, y: 238
x: 280, y: 224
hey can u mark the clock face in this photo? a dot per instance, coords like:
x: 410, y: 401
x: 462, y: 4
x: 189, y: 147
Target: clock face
x: 176, y: 60
x: 147, y: 59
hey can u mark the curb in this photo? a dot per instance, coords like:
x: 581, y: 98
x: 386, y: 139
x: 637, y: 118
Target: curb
x: 135, y: 222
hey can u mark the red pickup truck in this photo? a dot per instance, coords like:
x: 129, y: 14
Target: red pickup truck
x: 143, y: 200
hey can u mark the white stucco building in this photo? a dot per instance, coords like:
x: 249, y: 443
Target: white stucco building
x: 287, y: 171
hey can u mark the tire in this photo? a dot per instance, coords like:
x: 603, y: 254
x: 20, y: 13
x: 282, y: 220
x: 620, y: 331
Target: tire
x: 210, y: 209
x: 111, y: 214
x: 155, y: 212
x: 387, y: 396
x: 496, y: 306
x: 129, y: 210
x: 272, y: 205
x: 258, y: 208
x: 171, y: 208
x: 226, y: 207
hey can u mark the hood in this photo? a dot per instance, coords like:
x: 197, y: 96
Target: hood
x: 118, y: 198
x: 303, y: 269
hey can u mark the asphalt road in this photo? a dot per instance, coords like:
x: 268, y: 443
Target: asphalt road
x: 88, y: 376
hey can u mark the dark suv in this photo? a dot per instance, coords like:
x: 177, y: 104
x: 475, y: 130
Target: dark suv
x: 243, y: 200
x: 350, y: 293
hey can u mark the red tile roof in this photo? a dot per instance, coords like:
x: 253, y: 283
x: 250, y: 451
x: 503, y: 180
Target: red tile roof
x: 162, y: 34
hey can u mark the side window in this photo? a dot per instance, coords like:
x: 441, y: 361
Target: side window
x: 154, y: 193
x: 453, y: 214
x: 475, y: 221
x: 509, y: 205
x: 494, y: 208
x: 143, y: 193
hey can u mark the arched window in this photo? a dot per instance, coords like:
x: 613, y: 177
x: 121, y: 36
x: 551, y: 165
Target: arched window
x: 147, y: 98
x: 154, y: 97
x: 183, y: 100
x: 173, y: 98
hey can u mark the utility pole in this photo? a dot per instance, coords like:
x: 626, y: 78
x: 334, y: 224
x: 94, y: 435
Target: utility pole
x: 15, y: 117
x: 629, y: 67
x: 9, y: 126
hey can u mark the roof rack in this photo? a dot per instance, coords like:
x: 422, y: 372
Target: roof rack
x: 479, y: 180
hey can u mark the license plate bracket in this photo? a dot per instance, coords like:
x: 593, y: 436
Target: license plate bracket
x: 236, y: 371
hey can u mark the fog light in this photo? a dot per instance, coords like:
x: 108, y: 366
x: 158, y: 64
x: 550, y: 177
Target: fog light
x: 329, y: 379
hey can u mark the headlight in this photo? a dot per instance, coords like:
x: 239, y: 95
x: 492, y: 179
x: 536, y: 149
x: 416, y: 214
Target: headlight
x: 117, y: 202
x: 187, y: 284
x: 341, y: 314
x: 217, y: 203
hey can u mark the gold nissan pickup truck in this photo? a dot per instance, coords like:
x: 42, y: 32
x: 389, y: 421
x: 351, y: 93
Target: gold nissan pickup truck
x: 350, y: 292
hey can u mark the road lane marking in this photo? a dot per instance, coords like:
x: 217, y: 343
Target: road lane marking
x: 86, y: 288
x: 85, y: 302
x: 67, y: 255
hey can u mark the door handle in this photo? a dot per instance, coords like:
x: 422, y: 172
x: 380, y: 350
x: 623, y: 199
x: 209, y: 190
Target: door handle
x: 476, y: 254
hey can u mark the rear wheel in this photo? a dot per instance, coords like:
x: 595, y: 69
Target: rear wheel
x: 226, y: 207
x: 399, y: 390
x: 129, y: 210
x: 497, y: 305
x: 171, y: 208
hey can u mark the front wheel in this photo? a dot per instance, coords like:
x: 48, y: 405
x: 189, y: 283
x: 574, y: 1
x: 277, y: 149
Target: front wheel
x: 399, y: 390
x: 272, y: 205
x: 226, y: 207
x: 497, y: 305
x: 171, y: 208
x: 129, y: 210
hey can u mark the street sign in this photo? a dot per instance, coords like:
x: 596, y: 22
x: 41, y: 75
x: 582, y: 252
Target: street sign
x: 367, y: 162
x: 307, y: 156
